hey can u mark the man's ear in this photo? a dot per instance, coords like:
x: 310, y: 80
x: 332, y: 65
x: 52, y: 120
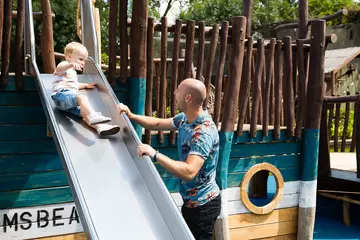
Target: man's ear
x: 188, y: 97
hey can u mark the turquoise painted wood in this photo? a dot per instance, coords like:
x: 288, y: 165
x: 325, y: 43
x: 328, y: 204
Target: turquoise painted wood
x: 137, y: 93
x: 310, y: 155
x: 35, y: 197
x: 245, y: 137
x: 23, y: 132
x: 29, y: 98
x: 288, y: 174
x: 22, y: 114
x: 24, y: 181
x: 263, y: 149
x: 281, y: 162
x: 26, y: 163
x: 27, y: 147
x: 226, y: 139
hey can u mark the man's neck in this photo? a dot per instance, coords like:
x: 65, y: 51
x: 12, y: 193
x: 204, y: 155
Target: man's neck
x: 193, y: 113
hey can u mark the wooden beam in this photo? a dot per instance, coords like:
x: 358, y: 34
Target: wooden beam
x: 36, y: 15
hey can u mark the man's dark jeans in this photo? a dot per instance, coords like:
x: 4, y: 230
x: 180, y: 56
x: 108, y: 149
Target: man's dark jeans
x: 201, y: 220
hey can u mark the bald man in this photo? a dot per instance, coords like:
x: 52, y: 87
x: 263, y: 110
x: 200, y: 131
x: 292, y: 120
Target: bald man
x: 198, y: 149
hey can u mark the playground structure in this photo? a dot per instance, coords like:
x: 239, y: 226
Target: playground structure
x: 264, y: 120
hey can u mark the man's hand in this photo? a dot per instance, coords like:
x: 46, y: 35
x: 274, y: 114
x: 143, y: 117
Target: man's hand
x: 144, y: 149
x: 123, y: 108
x: 91, y: 85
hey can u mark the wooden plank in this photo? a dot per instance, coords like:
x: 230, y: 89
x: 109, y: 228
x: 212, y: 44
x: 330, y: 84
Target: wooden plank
x: 244, y: 98
x: 1, y: 21
x: 278, y: 88
x: 6, y: 41
x: 289, y: 89
x: 29, y: 98
x: 27, y: 114
x: 112, y: 33
x: 346, y: 124
x: 78, y: 236
x: 262, y: 231
x: 19, y: 66
x: 220, y: 71
x: 149, y: 74
x: 246, y: 137
x: 262, y: 149
x: 247, y: 220
x: 25, y: 163
x: 15, y: 132
x: 163, y: 75
x: 210, y: 59
x: 289, y: 174
x: 123, y: 40
x: 25, y: 181
x: 36, y: 197
x: 201, y: 46
x: 267, y: 90
x: 189, y: 48
x: 282, y: 237
x: 336, y: 130
x: 27, y: 147
x: 175, y: 70
x: 280, y: 161
x: 256, y: 94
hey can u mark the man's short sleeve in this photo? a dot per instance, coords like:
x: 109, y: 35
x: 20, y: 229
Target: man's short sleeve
x: 177, y: 120
x: 201, y: 144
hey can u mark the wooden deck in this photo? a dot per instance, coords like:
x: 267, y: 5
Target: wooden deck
x: 343, y: 166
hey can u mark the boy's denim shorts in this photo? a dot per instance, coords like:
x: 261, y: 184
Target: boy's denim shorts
x: 65, y: 100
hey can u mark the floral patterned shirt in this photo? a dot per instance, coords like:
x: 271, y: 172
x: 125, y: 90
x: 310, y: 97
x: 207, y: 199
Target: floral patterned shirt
x: 201, y: 138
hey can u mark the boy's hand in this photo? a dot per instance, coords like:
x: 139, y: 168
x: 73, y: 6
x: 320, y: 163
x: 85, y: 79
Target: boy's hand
x: 91, y: 85
x: 123, y: 108
x: 77, y: 66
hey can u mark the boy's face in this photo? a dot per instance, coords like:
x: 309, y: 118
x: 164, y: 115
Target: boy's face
x: 79, y: 56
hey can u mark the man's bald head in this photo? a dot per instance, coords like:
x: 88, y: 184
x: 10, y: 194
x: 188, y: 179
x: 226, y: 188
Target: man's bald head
x: 195, y: 88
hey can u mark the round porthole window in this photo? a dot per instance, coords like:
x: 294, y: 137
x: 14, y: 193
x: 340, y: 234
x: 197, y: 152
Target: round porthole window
x: 262, y: 176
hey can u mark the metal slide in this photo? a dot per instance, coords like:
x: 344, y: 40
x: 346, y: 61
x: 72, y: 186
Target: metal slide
x: 118, y: 195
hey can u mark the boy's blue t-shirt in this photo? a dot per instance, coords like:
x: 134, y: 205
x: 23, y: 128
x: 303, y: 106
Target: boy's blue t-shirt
x: 201, y: 138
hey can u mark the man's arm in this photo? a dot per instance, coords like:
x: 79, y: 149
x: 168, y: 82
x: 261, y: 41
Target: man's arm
x: 150, y: 123
x: 186, y: 171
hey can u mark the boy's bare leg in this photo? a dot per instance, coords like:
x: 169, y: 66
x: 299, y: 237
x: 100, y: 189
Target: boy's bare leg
x: 84, y: 104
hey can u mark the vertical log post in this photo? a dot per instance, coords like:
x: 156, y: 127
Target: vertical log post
x: 309, y: 168
x: 1, y: 21
x: 304, y: 17
x: 210, y: 59
x: 301, y: 93
x: 18, y: 45
x: 149, y: 74
x: 357, y: 139
x: 269, y: 70
x: 346, y: 124
x: 289, y: 89
x: 201, y: 45
x: 138, y: 59
x: 189, y: 48
x: 272, y: 99
x: 354, y: 140
x: 5, y: 48
x: 174, y: 80
x: 47, y: 42
x: 331, y: 107
x: 123, y: 41
x: 245, y: 88
x: 112, y: 42
x: 256, y: 88
x: 227, y: 127
x: 278, y: 88
x: 336, y: 130
x: 220, y: 70
x: 163, y: 71
x: 247, y: 10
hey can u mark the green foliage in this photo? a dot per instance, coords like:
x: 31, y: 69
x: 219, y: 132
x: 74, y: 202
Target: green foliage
x: 168, y: 112
x: 349, y: 131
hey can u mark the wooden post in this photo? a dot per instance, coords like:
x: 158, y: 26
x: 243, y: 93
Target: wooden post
x: 201, y: 45
x: 220, y: 70
x: 149, y: 74
x: 324, y: 150
x: 353, y: 139
x: 308, y: 183
x: 1, y: 21
x: 278, y: 88
x: 357, y: 140
x: 47, y: 42
x: 18, y: 45
x: 189, y: 48
x: 303, y: 16
x: 138, y: 59
x: 302, y: 88
x: 346, y: 124
x: 112, y: 42
x: 5, y: 48
x: 123, y: 41
x: 336, y: 130
x: 227, y: 127
x: 289, y: 93
x: 210, y: 59
x: 247, y: 10
x: 175, y: 70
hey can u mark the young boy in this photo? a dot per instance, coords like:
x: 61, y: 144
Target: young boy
x: 65, y: 91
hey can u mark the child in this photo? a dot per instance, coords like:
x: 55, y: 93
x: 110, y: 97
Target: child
x: 65, y: 92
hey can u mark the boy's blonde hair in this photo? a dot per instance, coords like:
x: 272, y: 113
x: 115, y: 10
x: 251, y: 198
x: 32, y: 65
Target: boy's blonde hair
x: 73, y: 47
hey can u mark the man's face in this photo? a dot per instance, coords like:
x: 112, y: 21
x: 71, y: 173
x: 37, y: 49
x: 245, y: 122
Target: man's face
x: 180, y: 98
